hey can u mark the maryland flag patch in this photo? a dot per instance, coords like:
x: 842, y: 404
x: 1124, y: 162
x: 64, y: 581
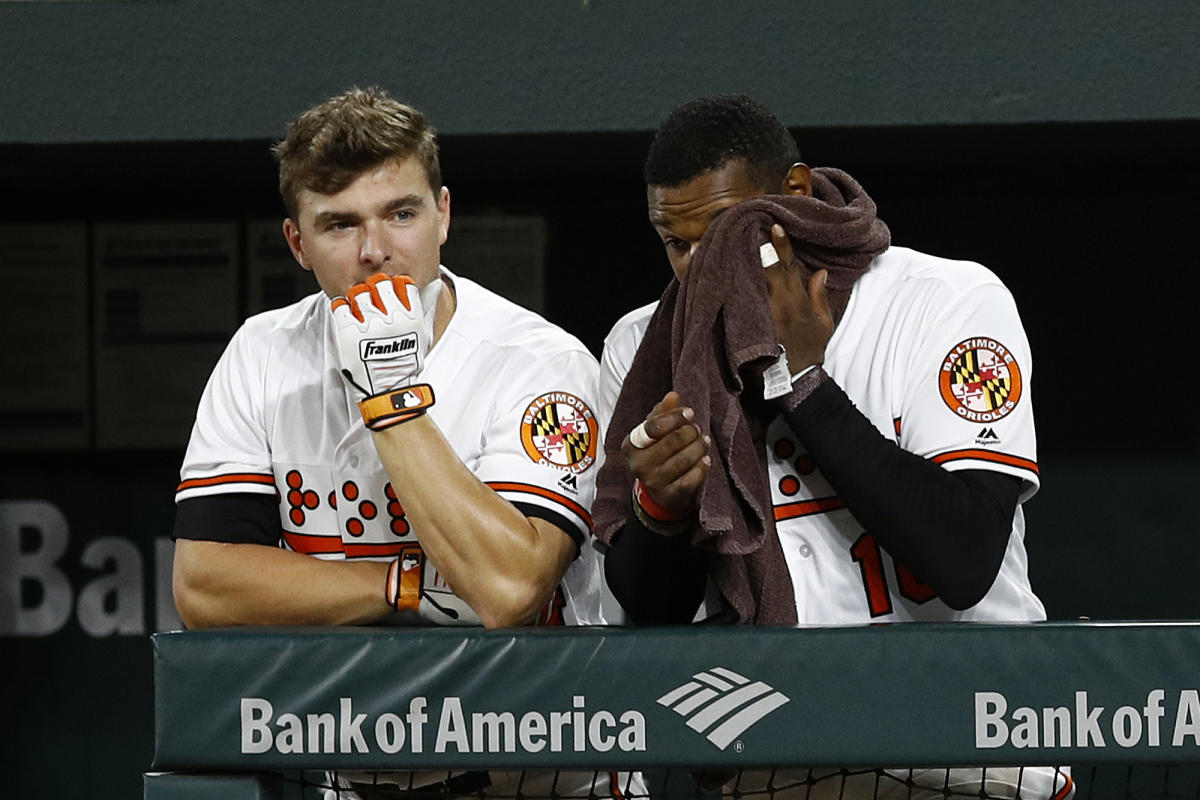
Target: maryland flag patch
x: 980, y: 380
x: 559, y: 430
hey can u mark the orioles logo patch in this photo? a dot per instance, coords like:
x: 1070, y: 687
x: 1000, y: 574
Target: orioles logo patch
x: 980, y: 380
x: 559, y: 430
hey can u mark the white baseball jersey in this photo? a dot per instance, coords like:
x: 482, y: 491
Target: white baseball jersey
x: 514, y: 397
x: 933, y: 353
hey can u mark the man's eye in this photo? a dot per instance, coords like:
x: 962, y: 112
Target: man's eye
x: 677, y: 245
x: 340, y: 225
x: 404, y: 215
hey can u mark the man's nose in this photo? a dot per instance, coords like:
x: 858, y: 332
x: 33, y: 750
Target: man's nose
x: 373, y: 248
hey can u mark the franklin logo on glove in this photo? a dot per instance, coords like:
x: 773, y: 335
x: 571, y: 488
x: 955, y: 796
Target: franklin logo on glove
x: 384, y: 327
x: 382, y: 348
x: 389, y: 361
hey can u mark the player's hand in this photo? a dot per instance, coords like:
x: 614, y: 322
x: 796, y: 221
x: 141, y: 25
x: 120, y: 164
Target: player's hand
x: 673, y: 467
x: 382, y: 332
x: 801, y: 312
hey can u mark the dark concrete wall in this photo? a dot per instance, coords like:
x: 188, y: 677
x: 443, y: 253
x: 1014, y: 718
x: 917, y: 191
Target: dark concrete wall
x: 120, y: 71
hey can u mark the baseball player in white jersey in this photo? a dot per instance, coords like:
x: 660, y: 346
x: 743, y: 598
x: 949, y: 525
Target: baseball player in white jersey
x: 908, y: 406
x: 905, y: 319
x: 358, y: 453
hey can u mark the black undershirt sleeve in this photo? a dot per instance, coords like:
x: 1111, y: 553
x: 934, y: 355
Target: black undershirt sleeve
x: 951, y: 529
x: 250, y: 518
x: 243, y: 518
x: 658, y: 580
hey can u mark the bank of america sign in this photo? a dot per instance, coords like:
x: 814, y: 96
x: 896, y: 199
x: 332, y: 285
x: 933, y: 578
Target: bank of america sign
x: 721, y: 704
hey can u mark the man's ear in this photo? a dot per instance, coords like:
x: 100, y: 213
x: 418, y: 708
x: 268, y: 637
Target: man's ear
x: 443, y: 207
x: 798, y: 180
x: 291, y: 232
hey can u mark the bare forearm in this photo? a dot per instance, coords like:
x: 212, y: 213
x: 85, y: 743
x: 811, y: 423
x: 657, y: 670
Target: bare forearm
x: 218, y: 584
x: 504, y: 565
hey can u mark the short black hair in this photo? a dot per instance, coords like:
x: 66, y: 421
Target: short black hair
x: 705, y: 134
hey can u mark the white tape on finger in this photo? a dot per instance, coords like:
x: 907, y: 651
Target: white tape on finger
x: 768, y: 255
x: 639, y: 438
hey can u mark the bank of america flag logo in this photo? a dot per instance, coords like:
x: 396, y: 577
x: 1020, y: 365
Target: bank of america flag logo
x: 722, y: 704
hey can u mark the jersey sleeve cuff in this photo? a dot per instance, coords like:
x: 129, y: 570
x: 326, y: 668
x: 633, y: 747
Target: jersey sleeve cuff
x: 241, y: 518
x: 554, y: 507
x: 1019, y: 467
x: 557, y: 520
x: 226, y: 483
x: 538, y: 496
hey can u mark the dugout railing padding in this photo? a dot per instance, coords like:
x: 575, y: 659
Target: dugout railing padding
x: 260, y: 701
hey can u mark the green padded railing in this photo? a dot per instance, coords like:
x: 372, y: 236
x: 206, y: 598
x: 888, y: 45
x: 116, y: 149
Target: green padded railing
x: 913, y: 694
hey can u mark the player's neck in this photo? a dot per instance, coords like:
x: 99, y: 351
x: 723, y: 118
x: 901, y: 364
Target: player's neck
x: 447, y: 303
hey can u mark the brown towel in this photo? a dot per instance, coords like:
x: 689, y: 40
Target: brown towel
x: 703, y: 334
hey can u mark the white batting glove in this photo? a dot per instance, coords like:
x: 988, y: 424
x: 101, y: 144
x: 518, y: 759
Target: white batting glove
x: 384, y: 328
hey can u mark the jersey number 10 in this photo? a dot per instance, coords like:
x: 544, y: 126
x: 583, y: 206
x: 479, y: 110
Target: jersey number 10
x: 866, y: 553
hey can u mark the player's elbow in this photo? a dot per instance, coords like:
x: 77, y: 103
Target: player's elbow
x: 192, y: 590
x: 961, y: 595
x: 191, y: 603
x: 188, y: 601
x: 968, y: 582
x: 519, y: 604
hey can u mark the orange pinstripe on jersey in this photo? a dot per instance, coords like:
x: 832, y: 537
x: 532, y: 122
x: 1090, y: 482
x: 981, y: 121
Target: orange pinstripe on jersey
x: 987, y: 455
x: 233, y: 477
x: 1065, y: 792
x: 368, y: 550
x: 807, y: 507
x: 312, y: 545
x: 614, y: 786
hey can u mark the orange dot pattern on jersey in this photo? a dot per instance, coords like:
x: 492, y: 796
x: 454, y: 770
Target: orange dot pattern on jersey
x: 399, y: 525
x: 784, y: 449
x: 354, y: 525
x: 298, y: 498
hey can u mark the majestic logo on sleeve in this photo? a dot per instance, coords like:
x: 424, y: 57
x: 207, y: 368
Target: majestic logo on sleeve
x: 980, y: 380
x: 559, y: 430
